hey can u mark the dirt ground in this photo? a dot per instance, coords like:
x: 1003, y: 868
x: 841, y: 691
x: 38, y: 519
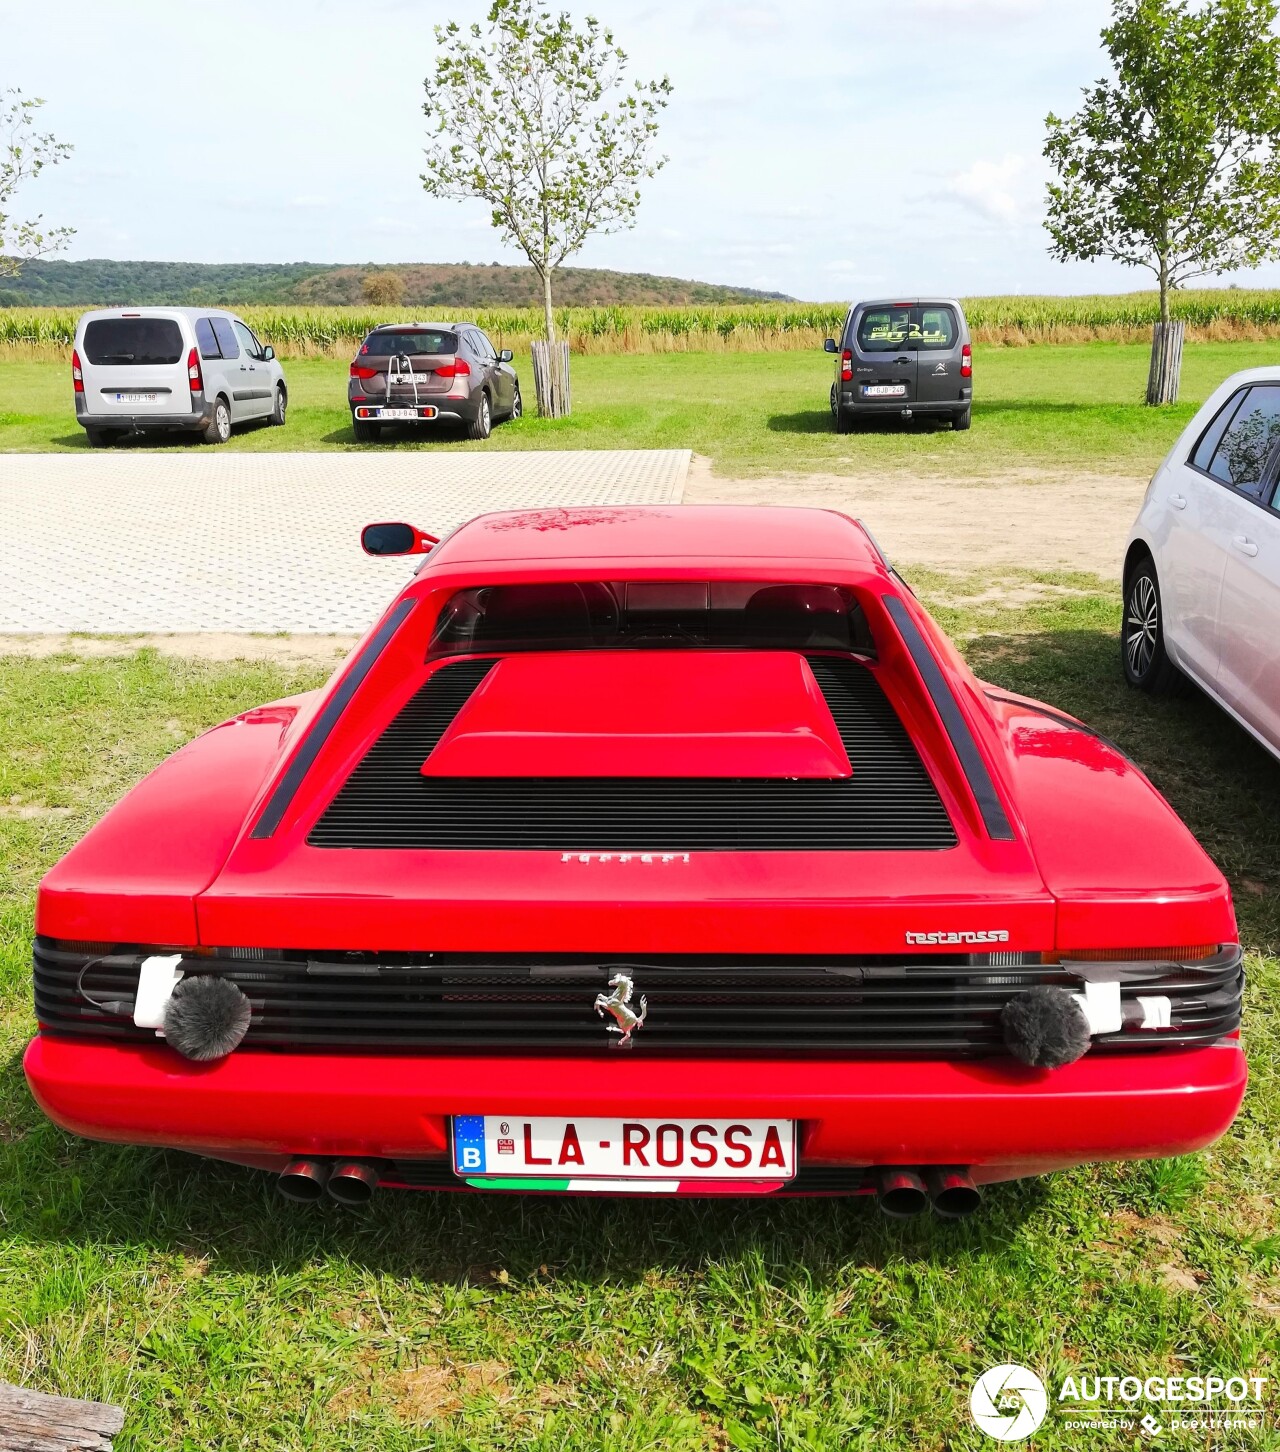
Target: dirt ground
x: 1023, y: 519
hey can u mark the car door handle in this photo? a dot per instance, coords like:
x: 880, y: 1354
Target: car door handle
x: 1179, y: 501
x: 1244, y: 544
x: 902, y: 360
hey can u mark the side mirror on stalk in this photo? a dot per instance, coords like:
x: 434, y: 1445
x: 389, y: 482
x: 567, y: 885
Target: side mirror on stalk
x: 395, y: 539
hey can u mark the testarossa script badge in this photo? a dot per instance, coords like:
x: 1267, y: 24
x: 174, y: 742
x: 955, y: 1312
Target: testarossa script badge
x: 995, y: 935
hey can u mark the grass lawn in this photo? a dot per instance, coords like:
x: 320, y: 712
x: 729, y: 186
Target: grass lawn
x: 223, y: 1317
x: 1048, y: 406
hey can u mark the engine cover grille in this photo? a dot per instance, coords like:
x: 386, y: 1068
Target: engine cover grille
x: 544, y: 1003
x: 890, y: 802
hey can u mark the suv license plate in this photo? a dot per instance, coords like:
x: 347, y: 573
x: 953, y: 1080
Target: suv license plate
x: 884, y: 390
x: 405, y: 412
x: 618, y: 1155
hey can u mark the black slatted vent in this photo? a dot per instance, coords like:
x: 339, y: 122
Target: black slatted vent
x: 889, y: 803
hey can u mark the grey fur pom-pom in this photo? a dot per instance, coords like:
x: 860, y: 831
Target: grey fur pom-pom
x: 1045, y: 1027
x: 206, y: 1018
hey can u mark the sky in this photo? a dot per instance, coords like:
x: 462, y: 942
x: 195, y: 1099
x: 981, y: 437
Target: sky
x: 822, y: 151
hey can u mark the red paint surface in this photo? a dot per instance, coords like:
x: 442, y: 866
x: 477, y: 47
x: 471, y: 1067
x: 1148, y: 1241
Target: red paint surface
x: 990, y: 1114
x: 705, y: 713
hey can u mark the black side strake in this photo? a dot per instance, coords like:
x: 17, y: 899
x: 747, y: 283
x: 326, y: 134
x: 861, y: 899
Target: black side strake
x: 327, y: 720
x: 953, y: 721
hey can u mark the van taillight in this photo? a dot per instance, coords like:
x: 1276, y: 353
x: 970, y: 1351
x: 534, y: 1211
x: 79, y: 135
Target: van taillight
x: 846, y: 366
x: 357, y: 371
x: 77, y: 376
x: 966, y: 362
x: 459, y: 368
x: 193, y: 372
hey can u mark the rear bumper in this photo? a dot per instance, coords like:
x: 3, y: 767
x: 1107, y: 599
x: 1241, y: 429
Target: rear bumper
x: 853, y: 402
x: 993, y: 1115
x: 138, y: 422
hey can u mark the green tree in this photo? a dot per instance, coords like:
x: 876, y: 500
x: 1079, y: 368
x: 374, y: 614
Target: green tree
x: 1173, y: 162
x: 24, y: 153
x: 535, y: 117
x: 383, y: 289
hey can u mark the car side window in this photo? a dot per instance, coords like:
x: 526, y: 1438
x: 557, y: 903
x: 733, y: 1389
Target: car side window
x: 1248, y: 441
x: 248, y: 342
x: 487, y: 351
x: 207, y: 339
x: 225, y: 334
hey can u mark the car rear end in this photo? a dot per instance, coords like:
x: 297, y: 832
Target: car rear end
x: 137, y: 369
x: 905, y: 359
x: 673, y: 875
x: 411, y: 374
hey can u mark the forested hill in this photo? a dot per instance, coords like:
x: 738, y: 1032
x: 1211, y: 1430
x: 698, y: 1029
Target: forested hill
x: 105, y: 283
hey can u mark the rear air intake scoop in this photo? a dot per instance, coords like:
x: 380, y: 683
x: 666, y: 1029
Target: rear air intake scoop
x: 641, y: 713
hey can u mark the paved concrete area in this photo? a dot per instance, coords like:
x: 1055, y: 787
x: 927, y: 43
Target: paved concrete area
x: 261, y: 542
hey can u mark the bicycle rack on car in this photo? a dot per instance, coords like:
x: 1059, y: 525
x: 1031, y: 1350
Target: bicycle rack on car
x: 400, y: 370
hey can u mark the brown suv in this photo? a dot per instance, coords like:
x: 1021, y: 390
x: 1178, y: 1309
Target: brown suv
x: 415, y: 373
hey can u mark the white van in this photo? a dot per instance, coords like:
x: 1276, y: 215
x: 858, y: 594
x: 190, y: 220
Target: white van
x: 151, y: 369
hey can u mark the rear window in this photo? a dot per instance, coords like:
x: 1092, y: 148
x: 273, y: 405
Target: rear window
x: 387, y: 345
x: 653, y: 615
x: 882, y: 329
x: 127, y: 341
x: 226, y: 336
x: 206, y: 340
x: 937, y: 328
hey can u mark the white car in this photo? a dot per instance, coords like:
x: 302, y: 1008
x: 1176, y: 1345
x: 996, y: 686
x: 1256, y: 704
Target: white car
x: 1202, y: 567
x: 198, y: 370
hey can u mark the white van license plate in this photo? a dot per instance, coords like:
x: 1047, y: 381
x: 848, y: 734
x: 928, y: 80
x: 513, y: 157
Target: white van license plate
x: 884, y: 390
x: 137, y: 397
x: 652, y: 1154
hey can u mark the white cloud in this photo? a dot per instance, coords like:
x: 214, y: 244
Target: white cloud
x: 1006, y: 191
x: 739, y: 17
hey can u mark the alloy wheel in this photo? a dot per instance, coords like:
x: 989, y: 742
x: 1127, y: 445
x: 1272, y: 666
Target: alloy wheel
x: 1141, y: 626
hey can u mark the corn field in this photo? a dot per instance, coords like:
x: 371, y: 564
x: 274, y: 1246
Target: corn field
x: 1210, y: 314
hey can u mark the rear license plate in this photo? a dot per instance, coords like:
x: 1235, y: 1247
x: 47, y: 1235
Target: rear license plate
x: 405, y: 412
x: 137, y: 398
x: 644, y: 1155
x: 884, y: 390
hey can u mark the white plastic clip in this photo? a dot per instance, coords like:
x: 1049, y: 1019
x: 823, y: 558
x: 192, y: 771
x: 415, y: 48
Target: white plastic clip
x: 157, y: 978
x: 1101, y: 1004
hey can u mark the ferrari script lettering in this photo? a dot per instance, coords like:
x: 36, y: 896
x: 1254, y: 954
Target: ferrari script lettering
x: 661, y: 858
x: 995, y: 935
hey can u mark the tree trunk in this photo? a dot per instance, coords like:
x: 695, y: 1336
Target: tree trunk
x: 549, y: 318
x: 1166, y: 362
x: 33, y: 1422
x: 551, y: 379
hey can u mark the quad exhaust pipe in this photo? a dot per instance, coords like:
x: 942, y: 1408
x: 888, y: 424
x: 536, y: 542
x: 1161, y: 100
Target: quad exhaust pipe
x: 349, y: 1182
x: 902, y: 1192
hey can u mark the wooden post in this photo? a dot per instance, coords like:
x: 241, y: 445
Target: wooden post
x: 33, y: 1422
x: 551, y: 379
x: 1166, y: 363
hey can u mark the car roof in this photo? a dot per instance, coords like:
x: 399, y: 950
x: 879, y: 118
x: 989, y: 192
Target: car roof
x: 679, y: 533
x: 158, y: 312
x: 898, y: 301
x: 397, y: 327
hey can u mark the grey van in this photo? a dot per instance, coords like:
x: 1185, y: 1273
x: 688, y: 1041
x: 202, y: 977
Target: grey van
x: 903, y: 358
x: 193, y: 370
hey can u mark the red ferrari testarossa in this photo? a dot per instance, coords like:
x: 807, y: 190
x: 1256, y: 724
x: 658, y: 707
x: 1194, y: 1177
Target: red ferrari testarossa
x: 653, y: 850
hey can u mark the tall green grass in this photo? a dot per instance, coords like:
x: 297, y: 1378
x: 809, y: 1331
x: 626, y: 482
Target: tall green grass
x: 1211, y: 314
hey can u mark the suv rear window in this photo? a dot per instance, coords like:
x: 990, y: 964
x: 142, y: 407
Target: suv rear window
x: 882, y: 329
x: 651, y: 615
x: 133, y: 340
x: 937, y: 328
x: 386, y: 345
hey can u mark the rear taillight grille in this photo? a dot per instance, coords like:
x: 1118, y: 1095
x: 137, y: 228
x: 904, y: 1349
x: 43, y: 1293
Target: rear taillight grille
x: 846, y: 366
x: 837, y: 1005
x: 889, y: 804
